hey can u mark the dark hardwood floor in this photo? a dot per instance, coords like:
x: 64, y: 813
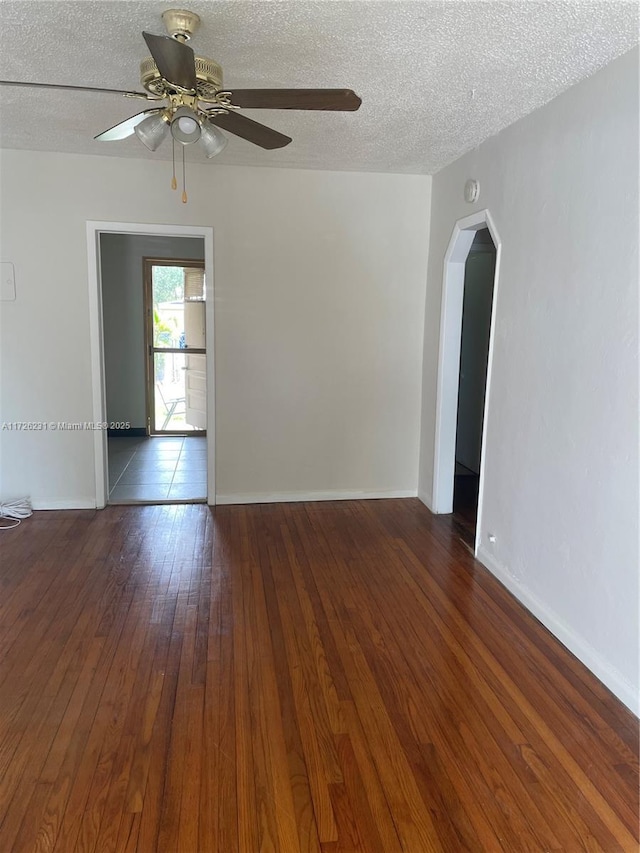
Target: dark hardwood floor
x: 323, y: 677
x: 465, y: 504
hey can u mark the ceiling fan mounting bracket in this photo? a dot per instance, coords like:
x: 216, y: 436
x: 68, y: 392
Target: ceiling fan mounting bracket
x: 181, y: 24
x: 141, y: 95
x: 223, y: 100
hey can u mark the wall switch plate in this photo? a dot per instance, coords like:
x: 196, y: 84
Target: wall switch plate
x: 7, y: 282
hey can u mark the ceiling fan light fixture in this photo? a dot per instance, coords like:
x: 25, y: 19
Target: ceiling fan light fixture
x: 185, y: 126
x: 152, y: 130
x: 213, y: 141
x: 191, y: 102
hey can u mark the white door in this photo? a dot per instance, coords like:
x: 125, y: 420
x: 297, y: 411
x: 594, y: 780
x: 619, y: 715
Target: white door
x: 196, y: 391
x: 195, y: 366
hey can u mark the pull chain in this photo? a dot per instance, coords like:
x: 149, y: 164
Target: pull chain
x: 184, y: 180
x: 174, y: 183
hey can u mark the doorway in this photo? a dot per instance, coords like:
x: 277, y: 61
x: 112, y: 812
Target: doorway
x: 181, y: 452
x: 449, y: 364
x: 472, y: 379
x: 175, y: 346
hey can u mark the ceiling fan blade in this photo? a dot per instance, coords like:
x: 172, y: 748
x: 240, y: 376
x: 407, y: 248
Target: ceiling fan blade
x: 77, y: 89
x: 174, y: 59
x: 250, y: 130
x: 296, y: 99
x: 126, y: 127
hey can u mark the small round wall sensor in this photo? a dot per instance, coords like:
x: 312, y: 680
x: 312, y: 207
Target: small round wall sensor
x: 471, y: 190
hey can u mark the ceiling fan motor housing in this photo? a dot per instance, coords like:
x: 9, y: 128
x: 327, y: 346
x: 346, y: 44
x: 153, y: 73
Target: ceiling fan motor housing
x: 208, y: 76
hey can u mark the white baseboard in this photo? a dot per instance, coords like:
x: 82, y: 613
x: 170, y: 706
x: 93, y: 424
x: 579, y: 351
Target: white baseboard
x: 426, y: 500
x: 296, y: 497
x: 252, y: 498
x: 80, y: 503
x: 576, y: 644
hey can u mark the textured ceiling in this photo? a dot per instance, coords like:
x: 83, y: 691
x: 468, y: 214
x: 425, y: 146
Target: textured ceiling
x: 436, y: 78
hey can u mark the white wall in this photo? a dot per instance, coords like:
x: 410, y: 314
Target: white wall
x: 561, y: 487
x: 319, y: 289
x: 121, y: 258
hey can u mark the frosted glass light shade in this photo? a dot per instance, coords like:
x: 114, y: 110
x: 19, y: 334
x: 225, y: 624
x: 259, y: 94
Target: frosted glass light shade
x: 213, y: 140
x: 152, y: 131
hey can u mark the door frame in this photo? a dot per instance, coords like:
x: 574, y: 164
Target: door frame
x: 94, y: 230
x: 147, y: 284
x: 444, y: 460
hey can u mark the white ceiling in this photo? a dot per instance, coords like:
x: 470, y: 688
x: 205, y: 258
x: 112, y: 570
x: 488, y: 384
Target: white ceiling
x: 436, y: 78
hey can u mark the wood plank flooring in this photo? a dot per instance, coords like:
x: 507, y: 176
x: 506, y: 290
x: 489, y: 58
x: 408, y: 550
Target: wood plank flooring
x: 326, y: 678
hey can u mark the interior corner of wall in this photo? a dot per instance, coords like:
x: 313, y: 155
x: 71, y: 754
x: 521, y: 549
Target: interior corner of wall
x: 426, y: 499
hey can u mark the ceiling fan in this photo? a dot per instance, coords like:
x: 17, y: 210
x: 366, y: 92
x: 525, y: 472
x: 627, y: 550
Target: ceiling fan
x: 191, y: 102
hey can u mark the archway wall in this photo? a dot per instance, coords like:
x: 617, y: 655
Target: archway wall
x: 560, y: 491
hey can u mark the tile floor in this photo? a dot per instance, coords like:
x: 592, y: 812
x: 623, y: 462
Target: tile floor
x: 157, y: 469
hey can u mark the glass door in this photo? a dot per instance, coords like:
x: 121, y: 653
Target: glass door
x: 176, y: 347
